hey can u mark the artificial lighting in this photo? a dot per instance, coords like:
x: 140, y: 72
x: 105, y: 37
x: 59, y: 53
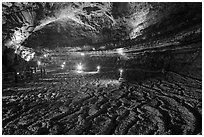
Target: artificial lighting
x: 98, y: 67
x: 121, y: 74
x: 82, y: 54
x: 120, y: 51
x: 79, y: 68
x: 45, y: 55
x: 39, y: 63
x: 62, y: 65
x: 121, y: 70
x: 17, y: 73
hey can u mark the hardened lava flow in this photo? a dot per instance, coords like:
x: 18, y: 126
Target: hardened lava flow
x: 101, y: 68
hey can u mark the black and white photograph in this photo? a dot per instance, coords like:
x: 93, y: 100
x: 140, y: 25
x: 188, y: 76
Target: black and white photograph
x: 101, y: 68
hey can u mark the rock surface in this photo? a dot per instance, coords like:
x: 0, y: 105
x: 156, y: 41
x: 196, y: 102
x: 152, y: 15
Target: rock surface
x: 76, y: 24
x: 158, y: 46
x: 68, y: 103
x: 96, y: 25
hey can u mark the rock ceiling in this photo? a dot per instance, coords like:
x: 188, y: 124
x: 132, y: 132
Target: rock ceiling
x: 32, y: 26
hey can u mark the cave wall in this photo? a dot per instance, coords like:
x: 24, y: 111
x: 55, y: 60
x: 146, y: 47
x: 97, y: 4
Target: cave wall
x: 30, y: 27
x: 76, y: 24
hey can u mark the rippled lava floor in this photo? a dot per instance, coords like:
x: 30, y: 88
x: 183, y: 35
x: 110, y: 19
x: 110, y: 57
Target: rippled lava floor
x: 74, y: 104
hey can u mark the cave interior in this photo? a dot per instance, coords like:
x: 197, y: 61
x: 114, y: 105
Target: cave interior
x: 130, y: 41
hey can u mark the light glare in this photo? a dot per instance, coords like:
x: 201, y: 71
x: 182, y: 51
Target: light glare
x: 39, y: 63
x: 62, y: 65
x: 98, y: 67
x: 79, y: 67
x: 120, y: 51
x: 121, y: 70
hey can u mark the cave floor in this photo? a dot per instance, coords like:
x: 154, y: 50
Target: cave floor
x: 65, y: 103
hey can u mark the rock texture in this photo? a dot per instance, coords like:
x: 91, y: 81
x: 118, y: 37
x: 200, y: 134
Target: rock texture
x: 76, y: 24
x: 72, y: 104
x: 158, y: 45
x: 101, y: 22
x: 101, y: 25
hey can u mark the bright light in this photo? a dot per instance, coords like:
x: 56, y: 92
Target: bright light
x: 98, y: 67
x: 82, y: 54
x: 121, y: 70
x: 120, y: 51
x: 62, y: 65
x: 17, y: 73
x: 39, y: 63
x: 45, y: 55
x: 79, y: 67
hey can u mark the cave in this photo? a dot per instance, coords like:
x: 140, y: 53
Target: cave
x: 102, y: 68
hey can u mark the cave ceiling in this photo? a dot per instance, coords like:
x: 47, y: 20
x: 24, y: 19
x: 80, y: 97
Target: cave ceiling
x: 45, y: 25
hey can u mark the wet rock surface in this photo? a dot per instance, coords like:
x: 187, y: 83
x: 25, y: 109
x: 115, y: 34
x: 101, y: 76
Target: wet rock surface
x: 68, y: 103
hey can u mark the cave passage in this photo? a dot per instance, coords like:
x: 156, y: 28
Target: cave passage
x: 101, y: 68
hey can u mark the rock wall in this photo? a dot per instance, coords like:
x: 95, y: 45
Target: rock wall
x: 76, y: 24
x: 28, y: 27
